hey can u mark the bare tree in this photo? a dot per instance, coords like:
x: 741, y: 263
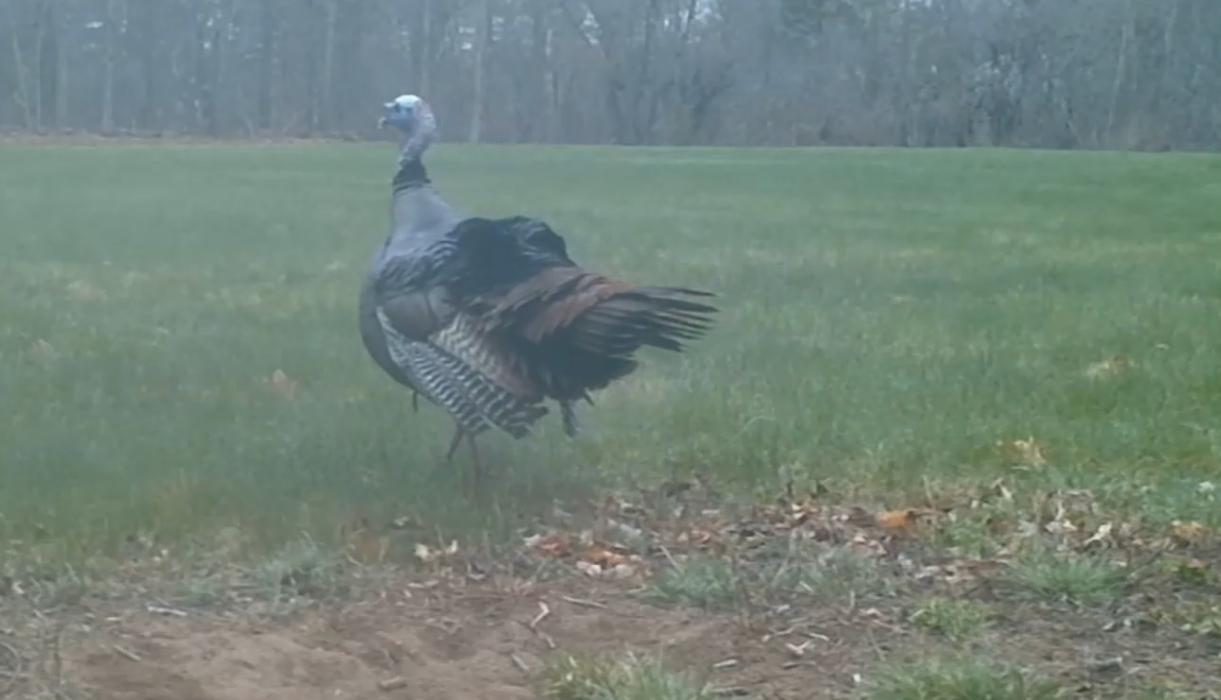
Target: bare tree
x: 1082, y: 74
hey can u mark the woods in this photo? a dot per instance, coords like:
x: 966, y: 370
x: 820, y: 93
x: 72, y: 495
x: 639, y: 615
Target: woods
x: 1126, y: 74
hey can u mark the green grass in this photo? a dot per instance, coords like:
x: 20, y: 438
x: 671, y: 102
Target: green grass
x: 711, y: 584
x: 952, y: 618
x: 631, y: 677
x: 1088, y: 581
x: 888, y: 317
x: 963, y: 678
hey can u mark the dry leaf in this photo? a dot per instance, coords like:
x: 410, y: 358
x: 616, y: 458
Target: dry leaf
x: 1030, y: 452
x: 623, y: 571
x: 903, y: 521
x: 426, y: 554
x: 605, y: 558
x: 282, y: 385
x: 867, y: 546
x: 591, y: 570
x: 1108, y: 368
x: 81, y: 289
x: 1190, y: 532
x: 367, y: 548
x: 1100, y: 536
x: 42, y: 350
x: 554, y: 545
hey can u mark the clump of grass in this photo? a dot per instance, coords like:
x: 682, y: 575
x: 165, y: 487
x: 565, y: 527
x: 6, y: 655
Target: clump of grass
x: 302, y: 569
x: 833, y: 574
x: 966, y: 537
x: 45, y: 583
x: 607, y: 678
x: 962, y: 679
x: 1201, y: 620
x: 1087, y: 581
x: 953, y: 619
x: 700, y: 582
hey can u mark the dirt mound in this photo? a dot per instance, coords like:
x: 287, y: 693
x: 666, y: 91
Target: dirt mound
x: 477, y: 647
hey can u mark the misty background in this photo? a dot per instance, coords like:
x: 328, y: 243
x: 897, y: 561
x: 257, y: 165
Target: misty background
x: 1119, y: 74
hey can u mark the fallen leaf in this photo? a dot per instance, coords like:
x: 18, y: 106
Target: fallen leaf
x: 1189, y: 533
x: 554, y: 545
x: 368, y: 549
x: 589, y: 569
x: 605, y: 558
x: 623, y: 571
x: 1108, y: 368
x: 42, y: 350
x: 867, y: 546
x: 425, y: 553
x: 84, y: 290
x: 282, y: 385
x: 1030, y: 452
x: 903, y: 521
x: 1101, y: 535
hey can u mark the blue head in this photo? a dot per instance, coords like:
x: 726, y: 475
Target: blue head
x: 413, y: 119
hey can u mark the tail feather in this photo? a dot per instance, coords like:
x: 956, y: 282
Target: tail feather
x: 572, y: 331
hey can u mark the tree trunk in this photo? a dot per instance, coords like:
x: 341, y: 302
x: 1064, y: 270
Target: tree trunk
x: 112, y: 43
x: 22, y: 94
x: 326, y: 107
x: 1121, y: 69
x: 267, y: 48
x: 61, y: 73
x: 483, y: 31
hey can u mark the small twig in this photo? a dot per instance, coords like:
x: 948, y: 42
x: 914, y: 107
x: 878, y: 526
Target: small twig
x: 544, y: 611
x: 727, y: 663
x: 877, y: 649
x: 521, y: 665
x: 730, y: 691
x: 540, y: 634
x: 670, y: 557
x: 799, y: 650
x: 165, y: 610
x: 582, y: 602
x: 788, y: 561
x: 392, y: 684
x: 126, y: 653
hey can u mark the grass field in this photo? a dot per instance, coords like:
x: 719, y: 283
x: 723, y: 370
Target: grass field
x: 178, y: 345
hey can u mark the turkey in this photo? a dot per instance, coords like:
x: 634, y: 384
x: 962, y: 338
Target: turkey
x: 487, y: 318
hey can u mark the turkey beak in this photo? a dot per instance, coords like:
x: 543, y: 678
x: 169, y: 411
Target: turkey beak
x: 381, y: 123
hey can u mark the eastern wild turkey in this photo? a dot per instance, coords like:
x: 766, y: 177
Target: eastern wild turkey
x: 487, y: 318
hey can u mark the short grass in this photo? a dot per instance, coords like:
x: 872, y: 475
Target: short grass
x: 964, y: 678
x: 889, y: 316
x: 630, y: 677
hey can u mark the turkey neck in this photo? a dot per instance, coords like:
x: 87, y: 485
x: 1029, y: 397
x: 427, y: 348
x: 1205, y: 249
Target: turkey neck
x: 418, y: 213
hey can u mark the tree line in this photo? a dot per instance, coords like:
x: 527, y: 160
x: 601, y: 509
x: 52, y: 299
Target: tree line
x: 1119, y: 74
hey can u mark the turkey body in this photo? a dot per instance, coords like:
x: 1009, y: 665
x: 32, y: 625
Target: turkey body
x: 488, y: 318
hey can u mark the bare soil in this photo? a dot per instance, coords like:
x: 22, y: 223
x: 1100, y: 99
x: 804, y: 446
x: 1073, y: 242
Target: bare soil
x: 478, y: 644
x: 450, y: 630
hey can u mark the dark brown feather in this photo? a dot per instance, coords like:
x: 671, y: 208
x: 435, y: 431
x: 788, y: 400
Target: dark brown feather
x: 570, y: 332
